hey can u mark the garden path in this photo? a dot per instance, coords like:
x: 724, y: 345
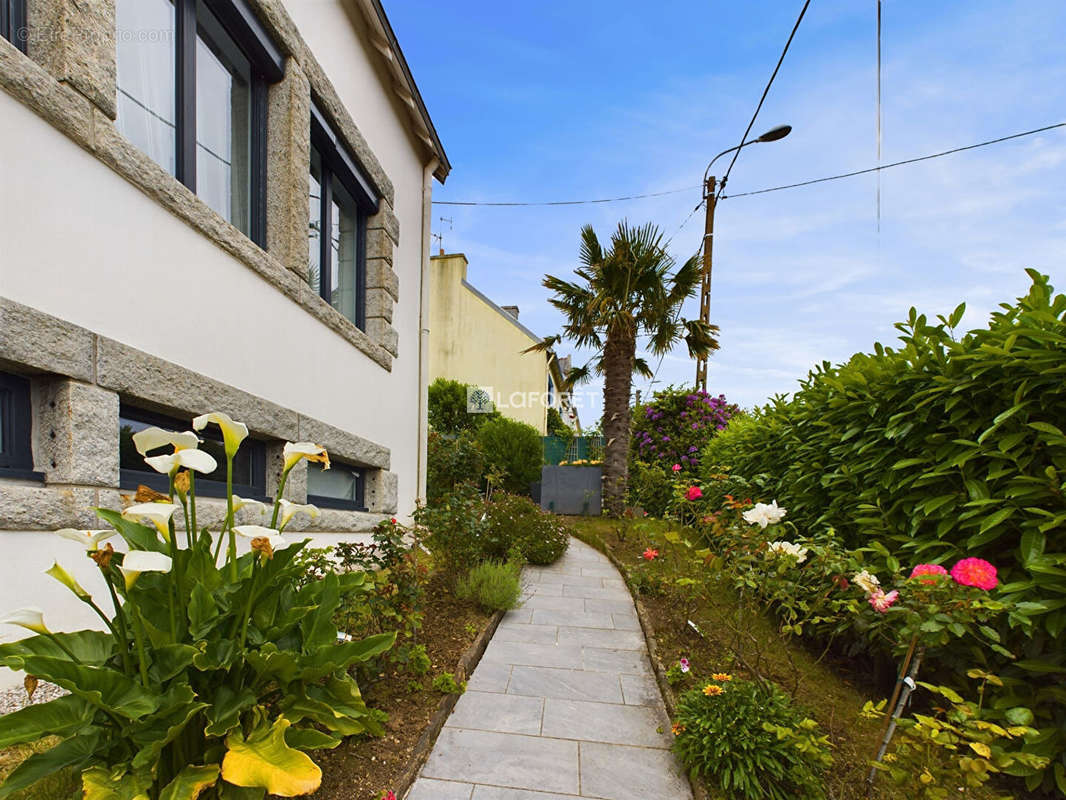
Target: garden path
x: 563, y: 704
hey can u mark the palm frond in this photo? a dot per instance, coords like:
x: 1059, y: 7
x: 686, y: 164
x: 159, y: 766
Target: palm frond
x: 701, y: 338
x: 641, y: 368
x: 545, y: 344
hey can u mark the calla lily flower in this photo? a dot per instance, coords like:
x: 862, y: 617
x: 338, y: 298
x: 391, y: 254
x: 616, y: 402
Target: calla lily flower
x: 233, y: 432
x: 67, y: 580
x: 294, y: 451
x: 90, y: 540
x: 137, y: 561
x: 31, y: 618
x: 290, y: 510
x: 158, y: 513
x: 190, y: 459
x: 277, y: 541
x: 243, y: 502
x: 151, y: 438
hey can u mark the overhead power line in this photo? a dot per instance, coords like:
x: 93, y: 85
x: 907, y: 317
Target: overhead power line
x: 563, y: 202
x: 897, y: 163
x: 766, y: 91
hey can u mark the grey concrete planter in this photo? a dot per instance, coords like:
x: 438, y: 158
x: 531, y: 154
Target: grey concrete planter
x: 571, y: 490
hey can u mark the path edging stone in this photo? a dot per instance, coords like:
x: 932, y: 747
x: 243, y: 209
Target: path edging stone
x: 665, y: 690
x: 467, y: 662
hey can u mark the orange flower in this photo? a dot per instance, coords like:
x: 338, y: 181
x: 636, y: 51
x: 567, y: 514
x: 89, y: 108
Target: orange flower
x: 722, y: 677
x: 677, y: 728
x: 712, y: 690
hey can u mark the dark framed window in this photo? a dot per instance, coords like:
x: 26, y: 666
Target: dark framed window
x: 13, y: 22
x: 192, y: 94
x: 341, y: 201
x: 341, y: 486
x: 249, y: 466
x: 16, y: 425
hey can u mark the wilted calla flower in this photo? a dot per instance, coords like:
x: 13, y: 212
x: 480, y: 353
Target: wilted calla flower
x: 290, y: 510
x: 233, y: 432
x: 190, y: 459
x: 276, y: 540
x: 30, y: 618
x: 158, y: 513
x: 67, y: 580
x: 294, y: 451
x: 150, y: 438
x: 137, y: 561
x: 90, y: 539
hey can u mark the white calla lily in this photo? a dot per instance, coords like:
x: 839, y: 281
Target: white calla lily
x: 290, y: 510
x: 151, y: 438
x: 30, y: 618
x: 295, y: 451
x: 67, y: 580
x: 233, y: 432
x: 137, y: 561
x: 90, y: 539
x: 247, y: 502
x: 277, y: 541
x: 158, y: 513
x: 196, y: 460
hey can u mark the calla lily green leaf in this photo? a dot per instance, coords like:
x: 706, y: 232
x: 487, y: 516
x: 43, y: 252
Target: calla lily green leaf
x: 265, y: 760
x: 74, y: 752
x: 310, y: 739
x: 190, y: 783
x: 100, y: 784
x: 154, y: 733
x: 137, y: 536
x: 225, y: 711
x: 61, y: 717
x: 92, y: 648
x: 103, y: 687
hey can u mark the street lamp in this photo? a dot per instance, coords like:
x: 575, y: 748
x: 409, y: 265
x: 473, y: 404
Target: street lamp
x: 710, y: 188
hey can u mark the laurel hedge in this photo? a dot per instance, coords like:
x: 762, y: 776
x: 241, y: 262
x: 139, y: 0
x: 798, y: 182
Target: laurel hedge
x: 944, y: 446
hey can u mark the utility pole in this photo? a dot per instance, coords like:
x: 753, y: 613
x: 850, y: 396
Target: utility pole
x: 709, y: 191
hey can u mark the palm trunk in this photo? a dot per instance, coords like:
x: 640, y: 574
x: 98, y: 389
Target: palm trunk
x: 618, y: 355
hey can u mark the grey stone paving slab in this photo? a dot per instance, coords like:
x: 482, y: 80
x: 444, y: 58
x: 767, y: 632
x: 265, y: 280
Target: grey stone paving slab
x: 605, y: 722
x: 532, y: 634
x: 499, y: 793
x: 429, y: 789
x: 504, y: 713
x: 640, y: 690
x: 504, y: 759
x: 597, y: 637
x: 573, y: 619
x: 628, y: 662
x: 565, y: 684
x: 618, y: 772
x: 563, y: 704
x: 490, y: 677
x: 534, y: 655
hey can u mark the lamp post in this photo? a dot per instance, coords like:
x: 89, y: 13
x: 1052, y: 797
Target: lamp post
x: 710, y: 188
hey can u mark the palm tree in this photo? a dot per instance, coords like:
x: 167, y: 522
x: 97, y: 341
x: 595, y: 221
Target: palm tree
x: 624, y: 293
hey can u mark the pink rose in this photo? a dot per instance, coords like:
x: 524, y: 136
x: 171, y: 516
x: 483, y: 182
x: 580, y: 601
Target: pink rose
x: 881, y: 601
x: 975, y: 572
x: 931, y: 571
x: 694, y: 493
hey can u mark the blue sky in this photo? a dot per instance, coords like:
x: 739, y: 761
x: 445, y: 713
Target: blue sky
x: 563, y: 100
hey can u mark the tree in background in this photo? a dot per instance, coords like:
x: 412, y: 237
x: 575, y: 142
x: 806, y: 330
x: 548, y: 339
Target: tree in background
x: 514, y: 450
x: 622, y: 293
x: 448, y: 410
x: 556, y: 426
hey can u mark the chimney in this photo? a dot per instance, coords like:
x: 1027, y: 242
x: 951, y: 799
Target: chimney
x: 564, y: 365
x: 512, y: 310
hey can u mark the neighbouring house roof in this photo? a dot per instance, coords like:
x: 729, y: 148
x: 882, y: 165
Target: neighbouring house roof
x: 404, y: 87
x: 509, y: 317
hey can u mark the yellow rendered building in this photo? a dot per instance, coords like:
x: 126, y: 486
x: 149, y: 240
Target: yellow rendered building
x: 475, y: 341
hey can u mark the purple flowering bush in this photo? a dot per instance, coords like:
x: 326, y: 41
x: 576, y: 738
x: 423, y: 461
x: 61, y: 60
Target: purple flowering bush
x: 668, y: 435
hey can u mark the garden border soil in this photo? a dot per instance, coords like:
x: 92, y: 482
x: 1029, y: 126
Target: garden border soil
x: 467, y: 662
x: 698, y: 791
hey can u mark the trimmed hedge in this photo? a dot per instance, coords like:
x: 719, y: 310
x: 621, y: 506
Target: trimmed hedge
x: 939, y: 448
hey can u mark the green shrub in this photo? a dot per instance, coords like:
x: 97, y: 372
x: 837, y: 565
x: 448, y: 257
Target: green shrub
x: 445, y: 683
x: 751, y: 742
x: 455, y: 527
x: 450, y: 461
x: 447, y: 409
x: 513, y: 448
x: 556, y: 426
x: 947, y: 446
x: 512, y: 521
x: 494, y: 585
x: 650, y: 487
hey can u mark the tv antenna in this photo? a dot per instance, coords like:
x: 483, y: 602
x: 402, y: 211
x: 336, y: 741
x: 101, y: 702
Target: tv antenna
x: 440, y: 236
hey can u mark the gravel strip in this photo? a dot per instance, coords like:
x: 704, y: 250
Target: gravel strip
x: 15, y: 698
